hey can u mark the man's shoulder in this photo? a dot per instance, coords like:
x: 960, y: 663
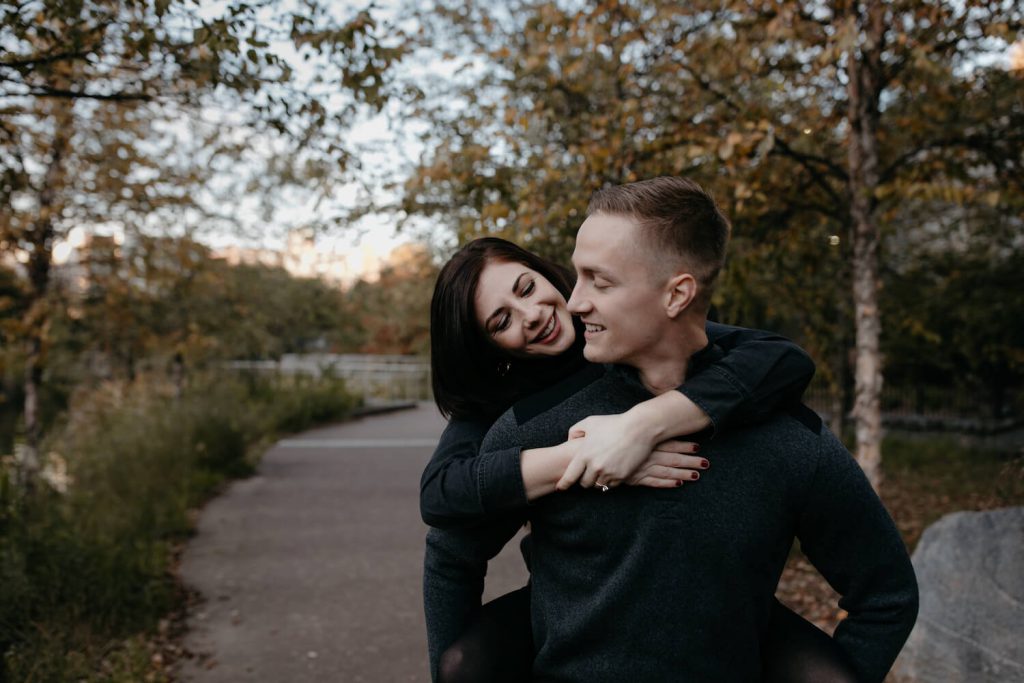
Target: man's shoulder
x: 806, y: 418
x: 795, y: 426
x: 543, y: 418
x: 803, y: 437
x: 795, y: 441
x: 555, y: 395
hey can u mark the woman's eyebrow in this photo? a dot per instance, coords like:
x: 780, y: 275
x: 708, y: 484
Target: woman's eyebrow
x: 515, y: 285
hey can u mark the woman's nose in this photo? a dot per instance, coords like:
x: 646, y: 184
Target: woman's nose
x: 532, y: 316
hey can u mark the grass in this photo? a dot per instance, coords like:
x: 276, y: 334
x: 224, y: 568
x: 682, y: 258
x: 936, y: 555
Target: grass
x: 85, y: 574
x: 928, y: 478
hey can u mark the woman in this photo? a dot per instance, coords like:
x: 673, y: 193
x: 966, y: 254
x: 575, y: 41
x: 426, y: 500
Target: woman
x: 500, y: 330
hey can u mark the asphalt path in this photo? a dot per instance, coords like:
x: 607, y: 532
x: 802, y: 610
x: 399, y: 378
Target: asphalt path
x: 311, y: 570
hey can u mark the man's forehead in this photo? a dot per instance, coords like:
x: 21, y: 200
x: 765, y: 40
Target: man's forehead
x: 604, y: 240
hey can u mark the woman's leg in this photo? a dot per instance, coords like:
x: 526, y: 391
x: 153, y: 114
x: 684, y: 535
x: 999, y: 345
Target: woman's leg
x: 797, y: 651
x: 497, y: 647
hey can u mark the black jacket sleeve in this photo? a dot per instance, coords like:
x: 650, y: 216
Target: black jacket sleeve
x: 759, y: 373
x: 454, y: 567
x: 461, y: 485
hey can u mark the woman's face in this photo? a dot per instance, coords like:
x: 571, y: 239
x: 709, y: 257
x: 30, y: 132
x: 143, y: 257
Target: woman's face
x: 521, y: 312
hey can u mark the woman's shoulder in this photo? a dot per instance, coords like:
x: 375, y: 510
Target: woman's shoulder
x: 462, y: 428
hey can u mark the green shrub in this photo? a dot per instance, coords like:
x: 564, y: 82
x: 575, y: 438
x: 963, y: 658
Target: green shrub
x: 306, y: 402
x: 82, y: 571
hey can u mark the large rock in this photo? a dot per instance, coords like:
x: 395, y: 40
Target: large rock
x: 970, y: 567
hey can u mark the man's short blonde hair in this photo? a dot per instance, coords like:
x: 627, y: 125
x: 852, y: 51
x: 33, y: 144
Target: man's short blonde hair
x: 683, y: 228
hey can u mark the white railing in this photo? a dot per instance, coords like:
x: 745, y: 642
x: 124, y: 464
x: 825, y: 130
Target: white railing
x: 379, y: 377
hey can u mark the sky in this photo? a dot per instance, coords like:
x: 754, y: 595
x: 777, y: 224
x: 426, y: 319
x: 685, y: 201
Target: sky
x: 373, y: 236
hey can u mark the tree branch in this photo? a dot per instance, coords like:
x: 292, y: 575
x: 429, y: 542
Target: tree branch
x: 805, y: 159
x: 33, y: 61
x: 47, y: 91
x: 977, y: 143
x: 782, y: 146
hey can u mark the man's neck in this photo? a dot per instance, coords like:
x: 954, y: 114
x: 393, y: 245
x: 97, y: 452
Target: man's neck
x: 664, y: 368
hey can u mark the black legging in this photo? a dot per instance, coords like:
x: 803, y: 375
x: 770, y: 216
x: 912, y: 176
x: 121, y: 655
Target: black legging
x: 498, y: 648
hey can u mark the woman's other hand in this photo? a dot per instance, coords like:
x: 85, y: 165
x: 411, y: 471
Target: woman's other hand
x: 611, y: 449
x: 671, y: 464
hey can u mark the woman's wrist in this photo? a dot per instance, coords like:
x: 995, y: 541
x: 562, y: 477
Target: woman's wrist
x: 543, y: 467
x: 645, y: 424
x: 666, y: 416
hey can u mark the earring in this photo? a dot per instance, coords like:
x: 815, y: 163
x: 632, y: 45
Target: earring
x: 504, y: 367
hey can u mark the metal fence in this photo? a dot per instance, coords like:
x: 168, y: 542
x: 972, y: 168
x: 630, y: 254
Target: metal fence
x: 931, y: 408
x: 373, y: 376
x: 393, y: 377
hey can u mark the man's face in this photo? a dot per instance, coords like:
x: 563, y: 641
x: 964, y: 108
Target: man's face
x: 617, y: 295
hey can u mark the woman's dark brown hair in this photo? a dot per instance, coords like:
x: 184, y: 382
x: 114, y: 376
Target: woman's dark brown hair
x: 472, y: 378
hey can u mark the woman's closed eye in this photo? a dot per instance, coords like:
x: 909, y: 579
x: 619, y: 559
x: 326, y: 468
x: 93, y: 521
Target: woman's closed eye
x: 502, y: 323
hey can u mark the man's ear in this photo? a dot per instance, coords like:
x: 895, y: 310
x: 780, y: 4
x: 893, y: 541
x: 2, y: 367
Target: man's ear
x: 680, y: 291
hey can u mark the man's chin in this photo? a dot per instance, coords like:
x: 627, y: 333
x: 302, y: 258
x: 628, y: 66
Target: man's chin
x: 593, y: 354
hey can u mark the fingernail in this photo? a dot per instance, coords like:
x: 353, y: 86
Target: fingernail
x: 679, y: 483
x: 704, y: 463
x: 696, y: 448
x: 694, y: 475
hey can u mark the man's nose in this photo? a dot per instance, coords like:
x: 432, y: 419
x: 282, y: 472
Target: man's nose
x: 576, y: 303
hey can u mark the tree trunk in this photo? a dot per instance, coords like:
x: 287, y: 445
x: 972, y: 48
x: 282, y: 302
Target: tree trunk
x: 178, y: 374
x: 29, y: 461
x: 864, y: 65
x: 37, y: 316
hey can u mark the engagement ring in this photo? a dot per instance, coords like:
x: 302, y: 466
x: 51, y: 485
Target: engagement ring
x: 604, y: 488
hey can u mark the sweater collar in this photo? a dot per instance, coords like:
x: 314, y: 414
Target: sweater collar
x: 698, y: 362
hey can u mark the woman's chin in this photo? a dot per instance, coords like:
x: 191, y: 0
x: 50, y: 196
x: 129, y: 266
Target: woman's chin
x: 556, y: 347
x: 568, y: 336
x: 543, y: 352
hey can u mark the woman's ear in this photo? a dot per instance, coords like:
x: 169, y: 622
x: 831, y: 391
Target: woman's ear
x: 680, y: 292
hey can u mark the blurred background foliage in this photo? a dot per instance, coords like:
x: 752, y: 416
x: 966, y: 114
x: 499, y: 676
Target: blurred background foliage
x: 172, y: 120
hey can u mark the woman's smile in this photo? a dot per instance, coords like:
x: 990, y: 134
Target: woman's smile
x: 550, y: 332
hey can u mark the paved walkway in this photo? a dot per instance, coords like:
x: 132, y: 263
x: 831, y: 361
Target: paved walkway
x: 311, y: 570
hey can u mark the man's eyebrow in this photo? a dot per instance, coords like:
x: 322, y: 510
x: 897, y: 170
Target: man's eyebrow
x: 592, y: 271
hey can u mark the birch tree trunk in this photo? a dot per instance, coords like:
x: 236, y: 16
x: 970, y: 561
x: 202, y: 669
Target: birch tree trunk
x: 37, y: 317
x: 863, y: 88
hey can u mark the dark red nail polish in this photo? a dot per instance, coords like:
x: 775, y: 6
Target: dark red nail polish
x: 705, y: 464
x: 679, y: 483
x: 696, y: 448
x: 694, y: 475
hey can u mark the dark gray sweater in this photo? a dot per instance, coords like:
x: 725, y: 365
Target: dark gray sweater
x: 676, y: 585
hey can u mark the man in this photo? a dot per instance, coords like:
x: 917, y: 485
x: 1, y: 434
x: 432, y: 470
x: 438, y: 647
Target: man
x: 677, y: 584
